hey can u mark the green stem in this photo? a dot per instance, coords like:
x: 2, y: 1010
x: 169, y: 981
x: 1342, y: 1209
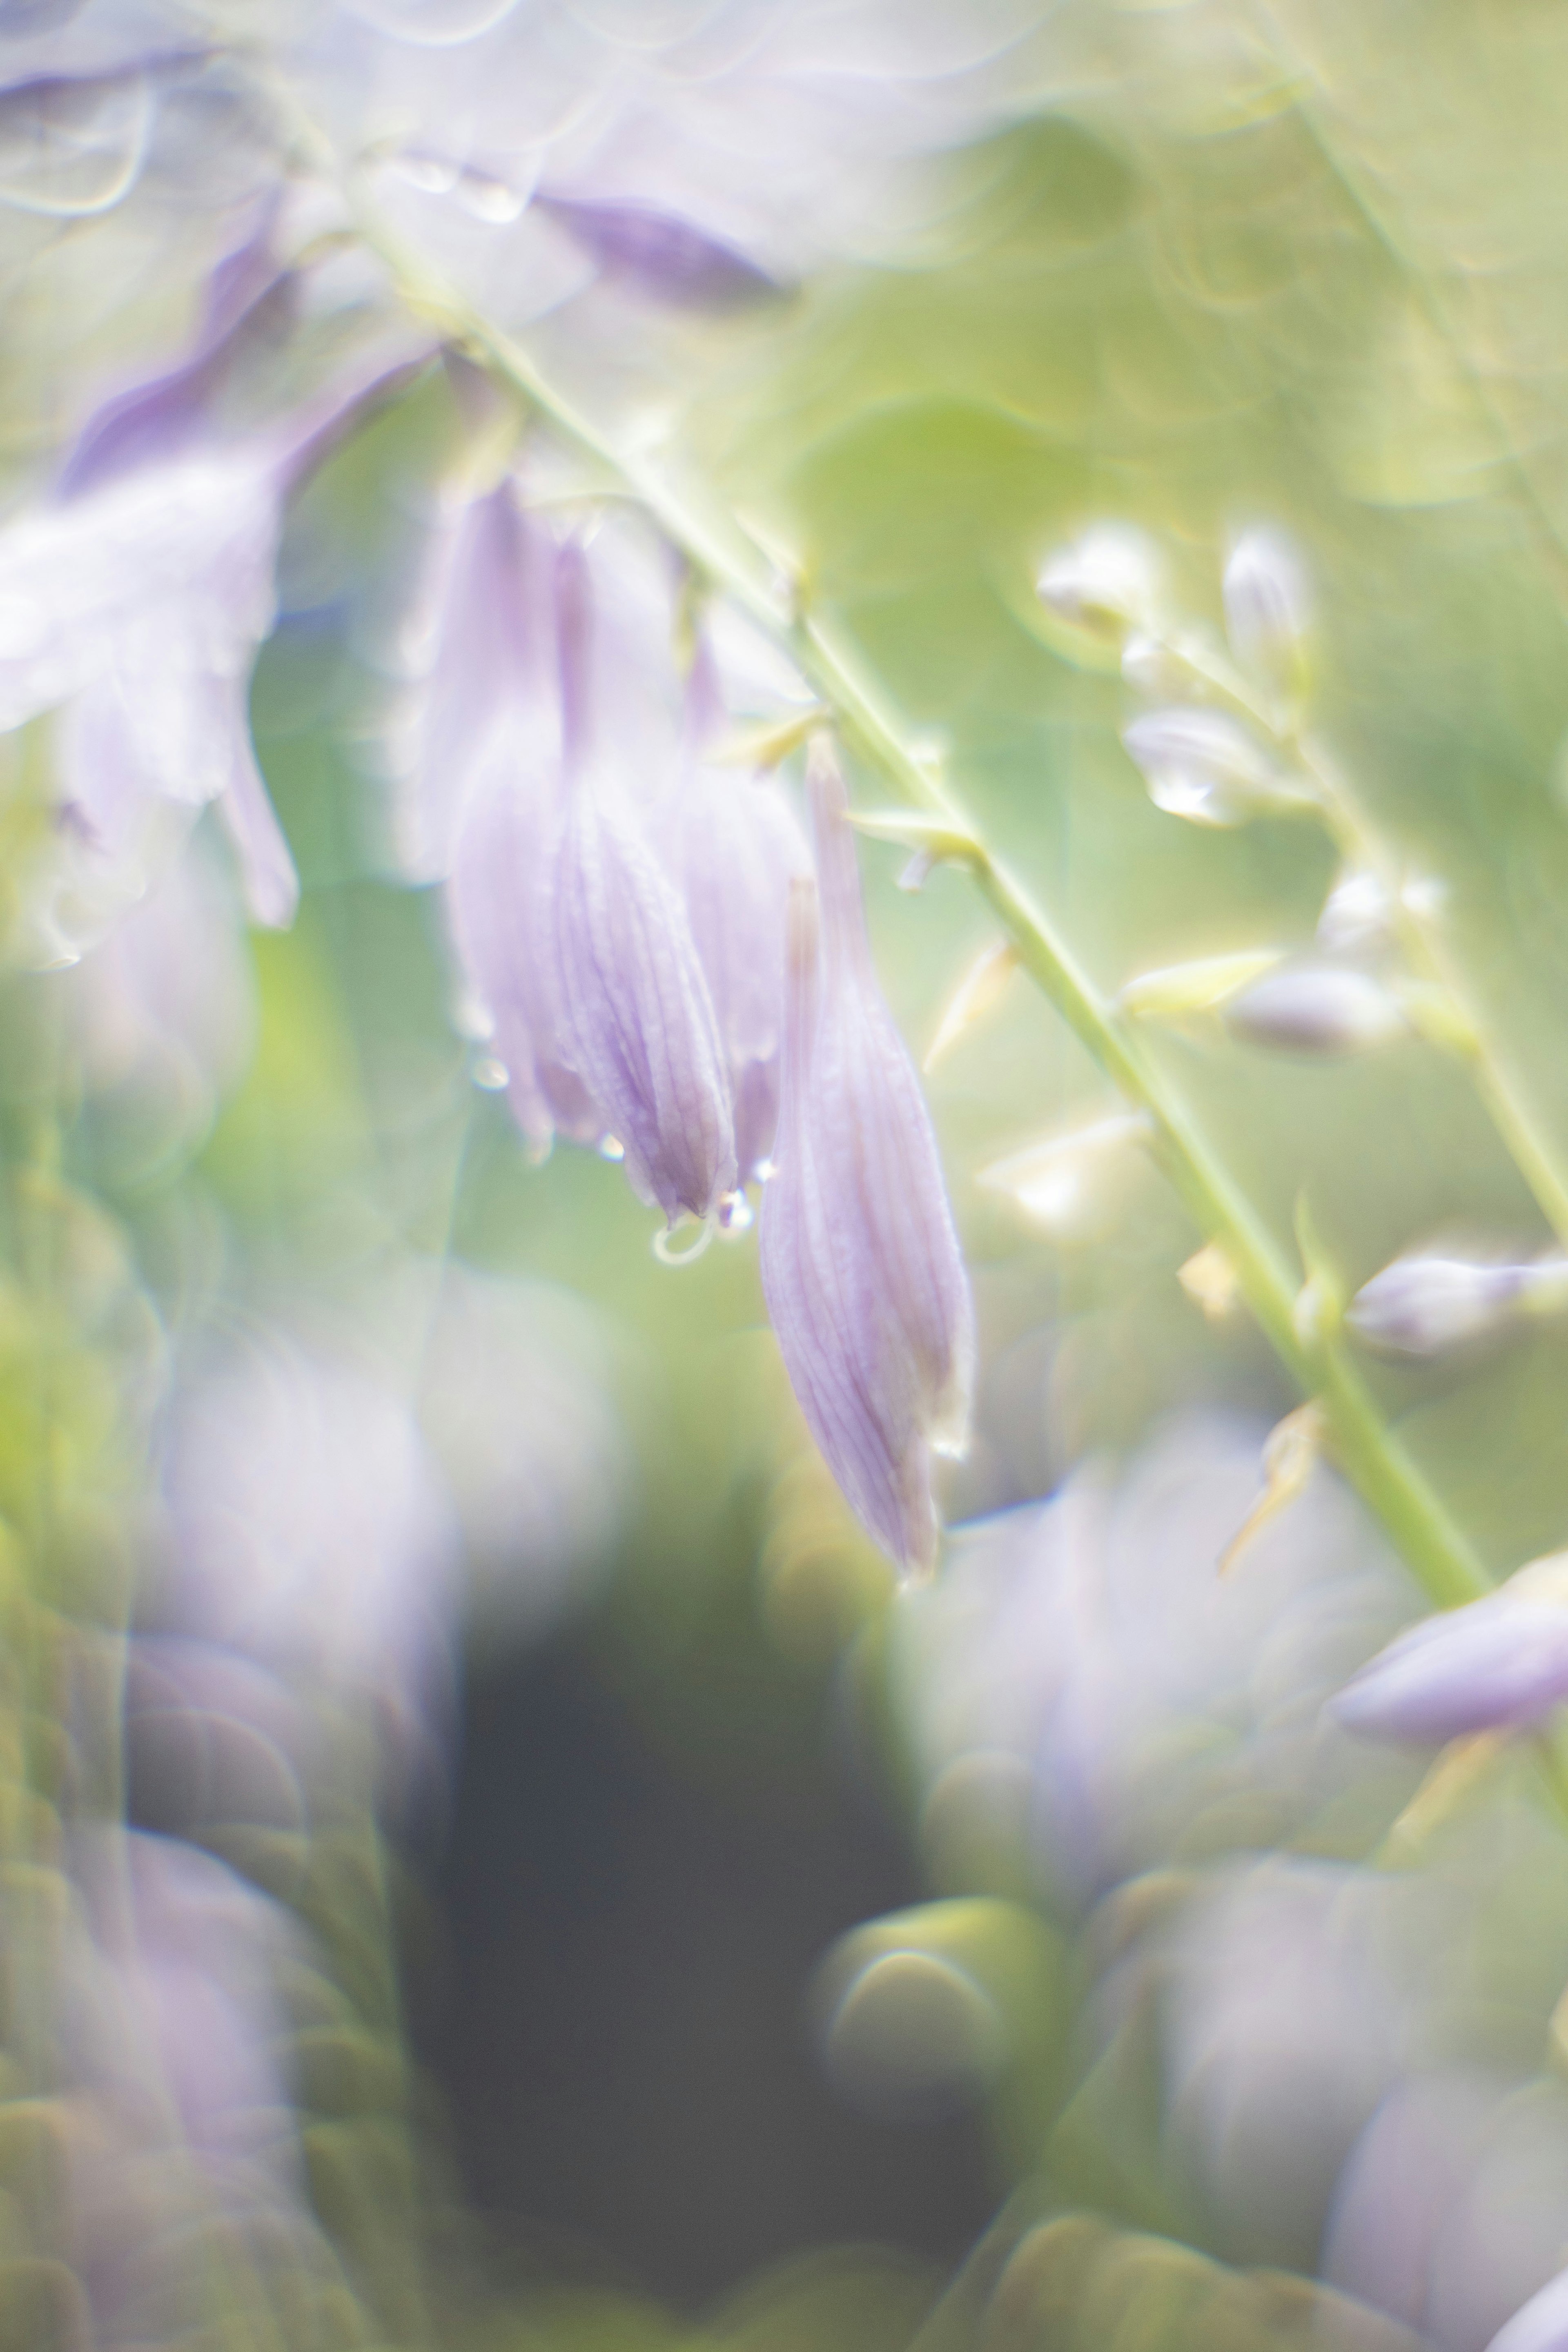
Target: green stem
x: 1372, y: 1457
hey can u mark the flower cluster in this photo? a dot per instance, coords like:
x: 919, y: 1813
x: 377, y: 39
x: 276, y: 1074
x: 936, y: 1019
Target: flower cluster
x: 636, y: 932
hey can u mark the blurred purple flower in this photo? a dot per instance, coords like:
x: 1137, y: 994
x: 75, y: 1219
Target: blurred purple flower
x: 658, y: 254
x: 310, y: 1532
x: 735, y: 847
x: 1497, y: 1663
x: 861, y: 1267
x: 638, y: 1021
x: 1085, y: 1652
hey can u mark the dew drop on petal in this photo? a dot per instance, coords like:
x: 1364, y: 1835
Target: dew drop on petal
x: 489, y: 200
x: 490, y: 1074
x: 611, y: 1148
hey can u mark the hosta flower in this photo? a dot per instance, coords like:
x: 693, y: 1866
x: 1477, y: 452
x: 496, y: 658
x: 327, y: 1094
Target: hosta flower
x: 133, y: 600
x: 1494, y: 1664
x: 734, y: 847
x: 860, y: 1264
x: 639, y: 1023
x: 481, y: 804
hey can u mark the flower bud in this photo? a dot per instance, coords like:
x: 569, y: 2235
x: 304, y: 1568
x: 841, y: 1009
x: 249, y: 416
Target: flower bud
x: 860, y: 1264
x: 1497, y: 1663
x: 638, y: 1026
x: 1206, y: 766
x: 1425, y: 1306
x: 1317, y: 1009
x: 1268, y: 606
x: 1105, y: 583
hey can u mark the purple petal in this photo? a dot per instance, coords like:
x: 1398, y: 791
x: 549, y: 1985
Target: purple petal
x: 640, y: 1022
x: 490, y: 651
x: 662, y: 256
x: 1493, y: 1665
x: 499, y: 906
x: 165, y: 415
x: 860, y: 1264
x: 735, y: 847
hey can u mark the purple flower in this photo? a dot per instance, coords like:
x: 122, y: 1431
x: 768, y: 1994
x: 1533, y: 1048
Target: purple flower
x: 638, y: 1022
x: 481, y: 804
x: 860, y: 1264
x: 658, y: 254
x: 735, y: 847
x: 1495, y: 1665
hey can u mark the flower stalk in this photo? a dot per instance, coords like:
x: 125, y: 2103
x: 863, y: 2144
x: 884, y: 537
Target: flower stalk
x: 719, y: 550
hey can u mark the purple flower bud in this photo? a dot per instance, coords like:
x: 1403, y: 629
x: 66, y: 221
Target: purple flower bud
x: 734, y: 848
x: 1425, y: 1306
x: 1317, y: 1009
x: 639, y: 1023
x: 1494, y: 1664
x: 661, y: 256
x: 860, y: 1264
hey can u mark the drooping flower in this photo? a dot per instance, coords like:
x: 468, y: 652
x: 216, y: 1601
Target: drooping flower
x: 734, y: 847
x: 1496, y: 1663
x: 861, y: 1266
x: 481, y: 804
x: 639, y: 1023
x: 135, y: 598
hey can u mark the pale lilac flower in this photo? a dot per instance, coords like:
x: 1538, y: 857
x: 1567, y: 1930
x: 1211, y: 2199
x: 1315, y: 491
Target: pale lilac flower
x: 735, y: 847
x: 308, y: 1530
x: 178, y: 2130
x: 638, y: 1022
x: 1497, y: 1663
x: 658, y: 253
x: 1449, y: 2213
x: 861, y: 1267
x: 1087, y: 1650
x: 482, y: 803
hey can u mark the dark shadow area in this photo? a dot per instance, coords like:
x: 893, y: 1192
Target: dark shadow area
x: 619, y: 2025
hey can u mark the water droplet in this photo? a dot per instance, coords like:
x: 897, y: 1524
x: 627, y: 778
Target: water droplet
x: 490, y: 1074
x: 489, y: 200
x: 736, y: 1214
x: 610, y: 1147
